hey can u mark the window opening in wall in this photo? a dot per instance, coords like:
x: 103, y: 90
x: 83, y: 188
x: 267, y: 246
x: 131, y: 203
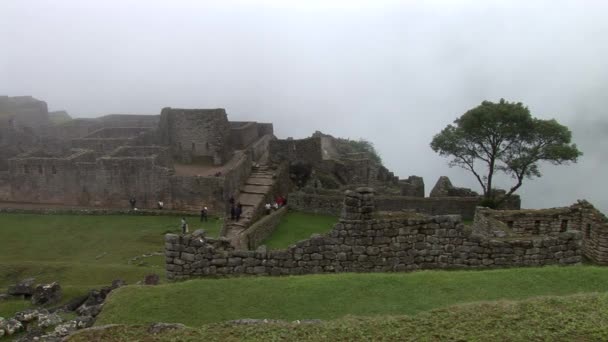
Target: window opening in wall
x: 179, y: 146
x: 588, y: 231
x: 39, y: 168
x: 536, y: 227
x: 207, y: 146
x: 510, y: 224
x: 26, y: 169
x: 193, y: 147
x: 54, y: 169
x: 564, y: 226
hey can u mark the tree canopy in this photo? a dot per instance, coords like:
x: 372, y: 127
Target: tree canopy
x: 504, y: 137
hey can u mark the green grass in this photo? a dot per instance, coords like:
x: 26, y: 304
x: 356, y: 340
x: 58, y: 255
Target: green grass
x: 296, y: 226
x: 199, y: 302
x: 82, y: 252
x: 582, y: 317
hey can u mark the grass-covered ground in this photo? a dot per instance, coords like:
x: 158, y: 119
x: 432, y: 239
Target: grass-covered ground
x: 582, y: 317
x: 82, y: 251
x: 296, y: 226
x: 204, y: 301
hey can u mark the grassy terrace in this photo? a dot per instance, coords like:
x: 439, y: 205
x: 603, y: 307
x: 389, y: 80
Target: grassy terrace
x: 82, y: 251
x: 572, y: 318
x: 204, y: 301
x: 296, y: 226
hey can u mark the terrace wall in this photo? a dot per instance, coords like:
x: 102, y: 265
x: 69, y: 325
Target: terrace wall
x: 362, y: 243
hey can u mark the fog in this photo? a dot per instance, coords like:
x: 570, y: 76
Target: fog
x: 392, y: 72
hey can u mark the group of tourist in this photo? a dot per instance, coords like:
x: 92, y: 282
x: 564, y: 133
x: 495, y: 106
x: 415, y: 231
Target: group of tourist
x: 279, y: 202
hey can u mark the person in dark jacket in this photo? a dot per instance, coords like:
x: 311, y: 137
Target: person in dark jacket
x: 239, y: 211
x: 204, y: 214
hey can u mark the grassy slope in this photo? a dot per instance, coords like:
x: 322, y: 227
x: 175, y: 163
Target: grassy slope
x: 198, y: 302
x: 296, y: 226
x: 81, y: 252
x: 572, y: 318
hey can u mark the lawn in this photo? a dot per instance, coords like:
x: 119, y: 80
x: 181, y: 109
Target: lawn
x: 582, y: 317
x: 296, y: 226
x: 204, y: 301
x: 83, y: 251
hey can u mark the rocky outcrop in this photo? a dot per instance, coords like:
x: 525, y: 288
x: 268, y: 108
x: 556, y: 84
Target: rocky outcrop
x: 47, y: 294
x: 47, y: 325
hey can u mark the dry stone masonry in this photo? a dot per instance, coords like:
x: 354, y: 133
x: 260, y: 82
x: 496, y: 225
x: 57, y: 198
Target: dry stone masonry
x: 581, y: 217
x: 365, y: 241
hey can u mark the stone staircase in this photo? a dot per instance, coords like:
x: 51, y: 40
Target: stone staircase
x: 252, y: 196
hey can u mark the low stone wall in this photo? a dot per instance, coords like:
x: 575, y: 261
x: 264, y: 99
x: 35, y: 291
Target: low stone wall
x: 581, y: 216
x: 89, y: 211
x: 253, y: 236
x: 332, y: 204
x: 361, y: 242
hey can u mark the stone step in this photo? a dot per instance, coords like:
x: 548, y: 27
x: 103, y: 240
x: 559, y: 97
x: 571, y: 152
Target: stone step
x: 256, y: 189
x: 259, y: 181
x: 262, y: 175
x: 250, y: 199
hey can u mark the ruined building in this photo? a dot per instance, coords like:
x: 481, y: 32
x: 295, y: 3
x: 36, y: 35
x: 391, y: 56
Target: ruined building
x: 188, y: 158
x: 185, y: 157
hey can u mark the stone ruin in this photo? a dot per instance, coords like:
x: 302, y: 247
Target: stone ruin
x: 366, y: 241
x: 186, y: 158
x: 582, y: 217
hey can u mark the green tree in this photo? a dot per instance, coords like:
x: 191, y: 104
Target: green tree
x: 504, y: 137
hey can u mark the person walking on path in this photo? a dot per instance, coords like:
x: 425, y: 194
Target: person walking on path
x: 232, y: 212
x: 184, y: 226
x: 161, y: 205
x: 239, y: 211
x: 232, y: 208
x: 204, y: 214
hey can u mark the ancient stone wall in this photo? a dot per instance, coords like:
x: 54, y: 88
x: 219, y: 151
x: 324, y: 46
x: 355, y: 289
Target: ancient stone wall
x: 260, y: 147
x: 196, y: 134
x: 258, y: 232
x: 77, y: 128
x: 303, y: 150
x: 105, y: 140
x: 236, y: 176
x: 26, y: 111
x: 265, y: 129
x: 129, y: 120
x: 331, y: 204
x: 362, y: 242
x: 242, y: 134
x: 46, y: 179
x: 413, y: 186
x: 581, y: 216
x: 80, y: 179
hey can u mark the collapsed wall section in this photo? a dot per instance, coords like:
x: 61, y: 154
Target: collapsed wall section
x: 362, y: 242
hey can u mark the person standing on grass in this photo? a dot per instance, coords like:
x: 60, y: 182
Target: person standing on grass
x: 161, y: 205
x: 267, y: 207
x: 132, y: 201
x: 204, y: 214
x: 184, y: 226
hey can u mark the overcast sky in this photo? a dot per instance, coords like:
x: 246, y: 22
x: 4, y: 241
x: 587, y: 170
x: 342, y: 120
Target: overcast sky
x: 392, y: 72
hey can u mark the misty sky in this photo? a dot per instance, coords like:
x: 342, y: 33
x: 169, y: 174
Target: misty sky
x: 392, y: 72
